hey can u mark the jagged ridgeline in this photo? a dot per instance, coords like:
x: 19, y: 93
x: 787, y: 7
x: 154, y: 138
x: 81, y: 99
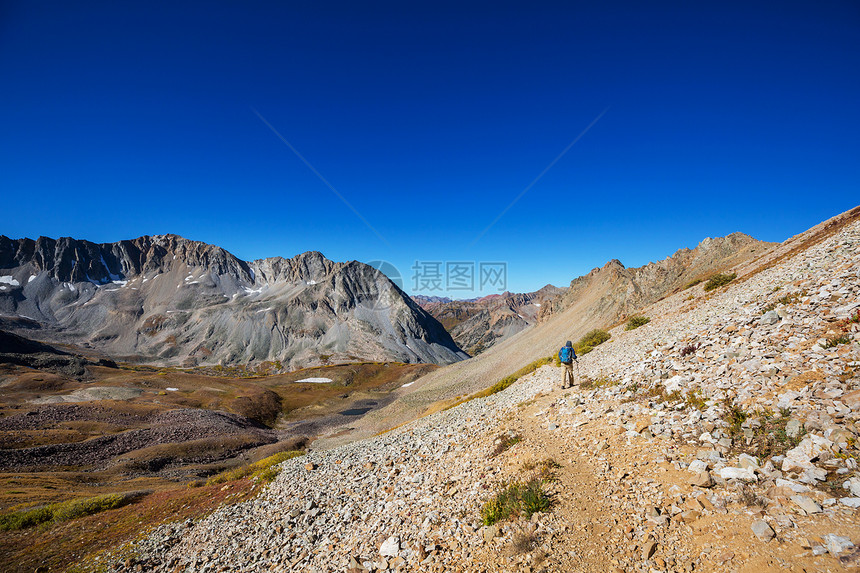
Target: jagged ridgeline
x: 170, y: 300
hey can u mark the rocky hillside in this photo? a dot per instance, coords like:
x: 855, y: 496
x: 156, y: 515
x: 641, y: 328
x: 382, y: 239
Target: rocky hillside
x: 720, y: 436
x: 624, y: 291
x: 170, y: 300
x: 477, y: 324
x: 598, y: 300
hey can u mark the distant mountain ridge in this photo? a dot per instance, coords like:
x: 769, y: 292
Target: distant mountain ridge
x: 477, y: 324
x: 172, y: 300
x: 626, y: 290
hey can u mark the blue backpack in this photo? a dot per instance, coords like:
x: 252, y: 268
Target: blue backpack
x: 566, y: 355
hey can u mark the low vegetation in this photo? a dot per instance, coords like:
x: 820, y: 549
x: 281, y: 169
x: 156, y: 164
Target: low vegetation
x: 514, y: 499
x: 834, y: 341
x: 635, y: 322
x: 591, y: 339
x: 768, y: 433
x: 525, y: 497
x: 508, y: 380
x: 692, y: 283
x: 689, y: 349
x: 587, y: 383
x: 504, y: 442
x: 66, y: 510
x: 718, y: 280
x: 264, y: 470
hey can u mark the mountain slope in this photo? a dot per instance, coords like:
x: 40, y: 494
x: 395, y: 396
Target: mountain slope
x: 477, y: 324
x: 627, y: 290
x: 739, y: 455
x: 596, y: 300
x: 175, y: 301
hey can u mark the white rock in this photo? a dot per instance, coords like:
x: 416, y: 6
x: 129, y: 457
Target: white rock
x: 836, y: 544
x: 390, y: 547
x: 697, y: 466
x: 675, y: 383
x: 737, y: 473
x: 748, y: 462
x: 792, y: 485
x: 850, y: 501
x: 800, y: 458
x: 853, y: 485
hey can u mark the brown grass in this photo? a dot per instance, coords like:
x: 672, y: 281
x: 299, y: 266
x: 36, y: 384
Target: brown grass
x: 62, y: 545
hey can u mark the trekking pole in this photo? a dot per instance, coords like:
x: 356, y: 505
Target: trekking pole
x: 578, y: 374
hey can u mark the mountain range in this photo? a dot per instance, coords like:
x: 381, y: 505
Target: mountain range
x: 479, y: 323
x: 174, y: 301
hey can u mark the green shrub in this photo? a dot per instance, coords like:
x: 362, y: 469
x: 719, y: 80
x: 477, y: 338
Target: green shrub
x: 264, y: 470
x: 591, y: 339
x: 508, y: 380
x: 692, y: 283
x: 635, y: 322
x: 834, y: 341
x: 66, y: 510
x: 533, y: 498
x: 719, y: 280
x: 515, y: 499
x: 595, y: 337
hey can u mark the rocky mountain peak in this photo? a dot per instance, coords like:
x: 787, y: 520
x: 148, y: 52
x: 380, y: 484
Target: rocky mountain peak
x: 167, y: 299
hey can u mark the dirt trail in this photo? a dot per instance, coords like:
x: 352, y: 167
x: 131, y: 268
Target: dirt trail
x: 607, y: 485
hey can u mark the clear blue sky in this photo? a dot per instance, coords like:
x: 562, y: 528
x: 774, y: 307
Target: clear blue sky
x: 119, y: 119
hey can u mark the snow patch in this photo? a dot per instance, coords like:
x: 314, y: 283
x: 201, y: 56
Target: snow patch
x: 408, y: 384
x: 536, y: 304
x: 120, y: 283
x: 9, y: 280
x: 311, y: 282
x: 315, y: 380
x: 31, y: 278
x: 112, y: 276
x: 171, y: 389
x: 253, y: 291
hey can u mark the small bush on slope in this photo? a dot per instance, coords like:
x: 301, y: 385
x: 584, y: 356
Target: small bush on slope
x: 66, y: 510
x: 265, y: 470
x: 719, y: 280
x: 636, y: 321
x: 591, y: 339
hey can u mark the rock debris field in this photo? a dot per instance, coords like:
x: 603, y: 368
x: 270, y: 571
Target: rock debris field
x: 720, y: 436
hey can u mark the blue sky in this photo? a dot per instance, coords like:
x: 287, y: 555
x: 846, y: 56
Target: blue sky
x: 429, y: 118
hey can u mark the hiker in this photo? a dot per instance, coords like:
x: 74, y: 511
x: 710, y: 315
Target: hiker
x: 566, y: 356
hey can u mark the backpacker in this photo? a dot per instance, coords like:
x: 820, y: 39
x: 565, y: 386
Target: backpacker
x: 565, y: 355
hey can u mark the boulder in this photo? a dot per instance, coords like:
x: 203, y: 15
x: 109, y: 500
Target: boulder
x: 769, y: 318
x: 737, y: 473
x: 806, y: 504
x: 800, y: 458
x: 762, y: 530
x: 390, y: 547
x: 853, y: 485
x: 837, y: 544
